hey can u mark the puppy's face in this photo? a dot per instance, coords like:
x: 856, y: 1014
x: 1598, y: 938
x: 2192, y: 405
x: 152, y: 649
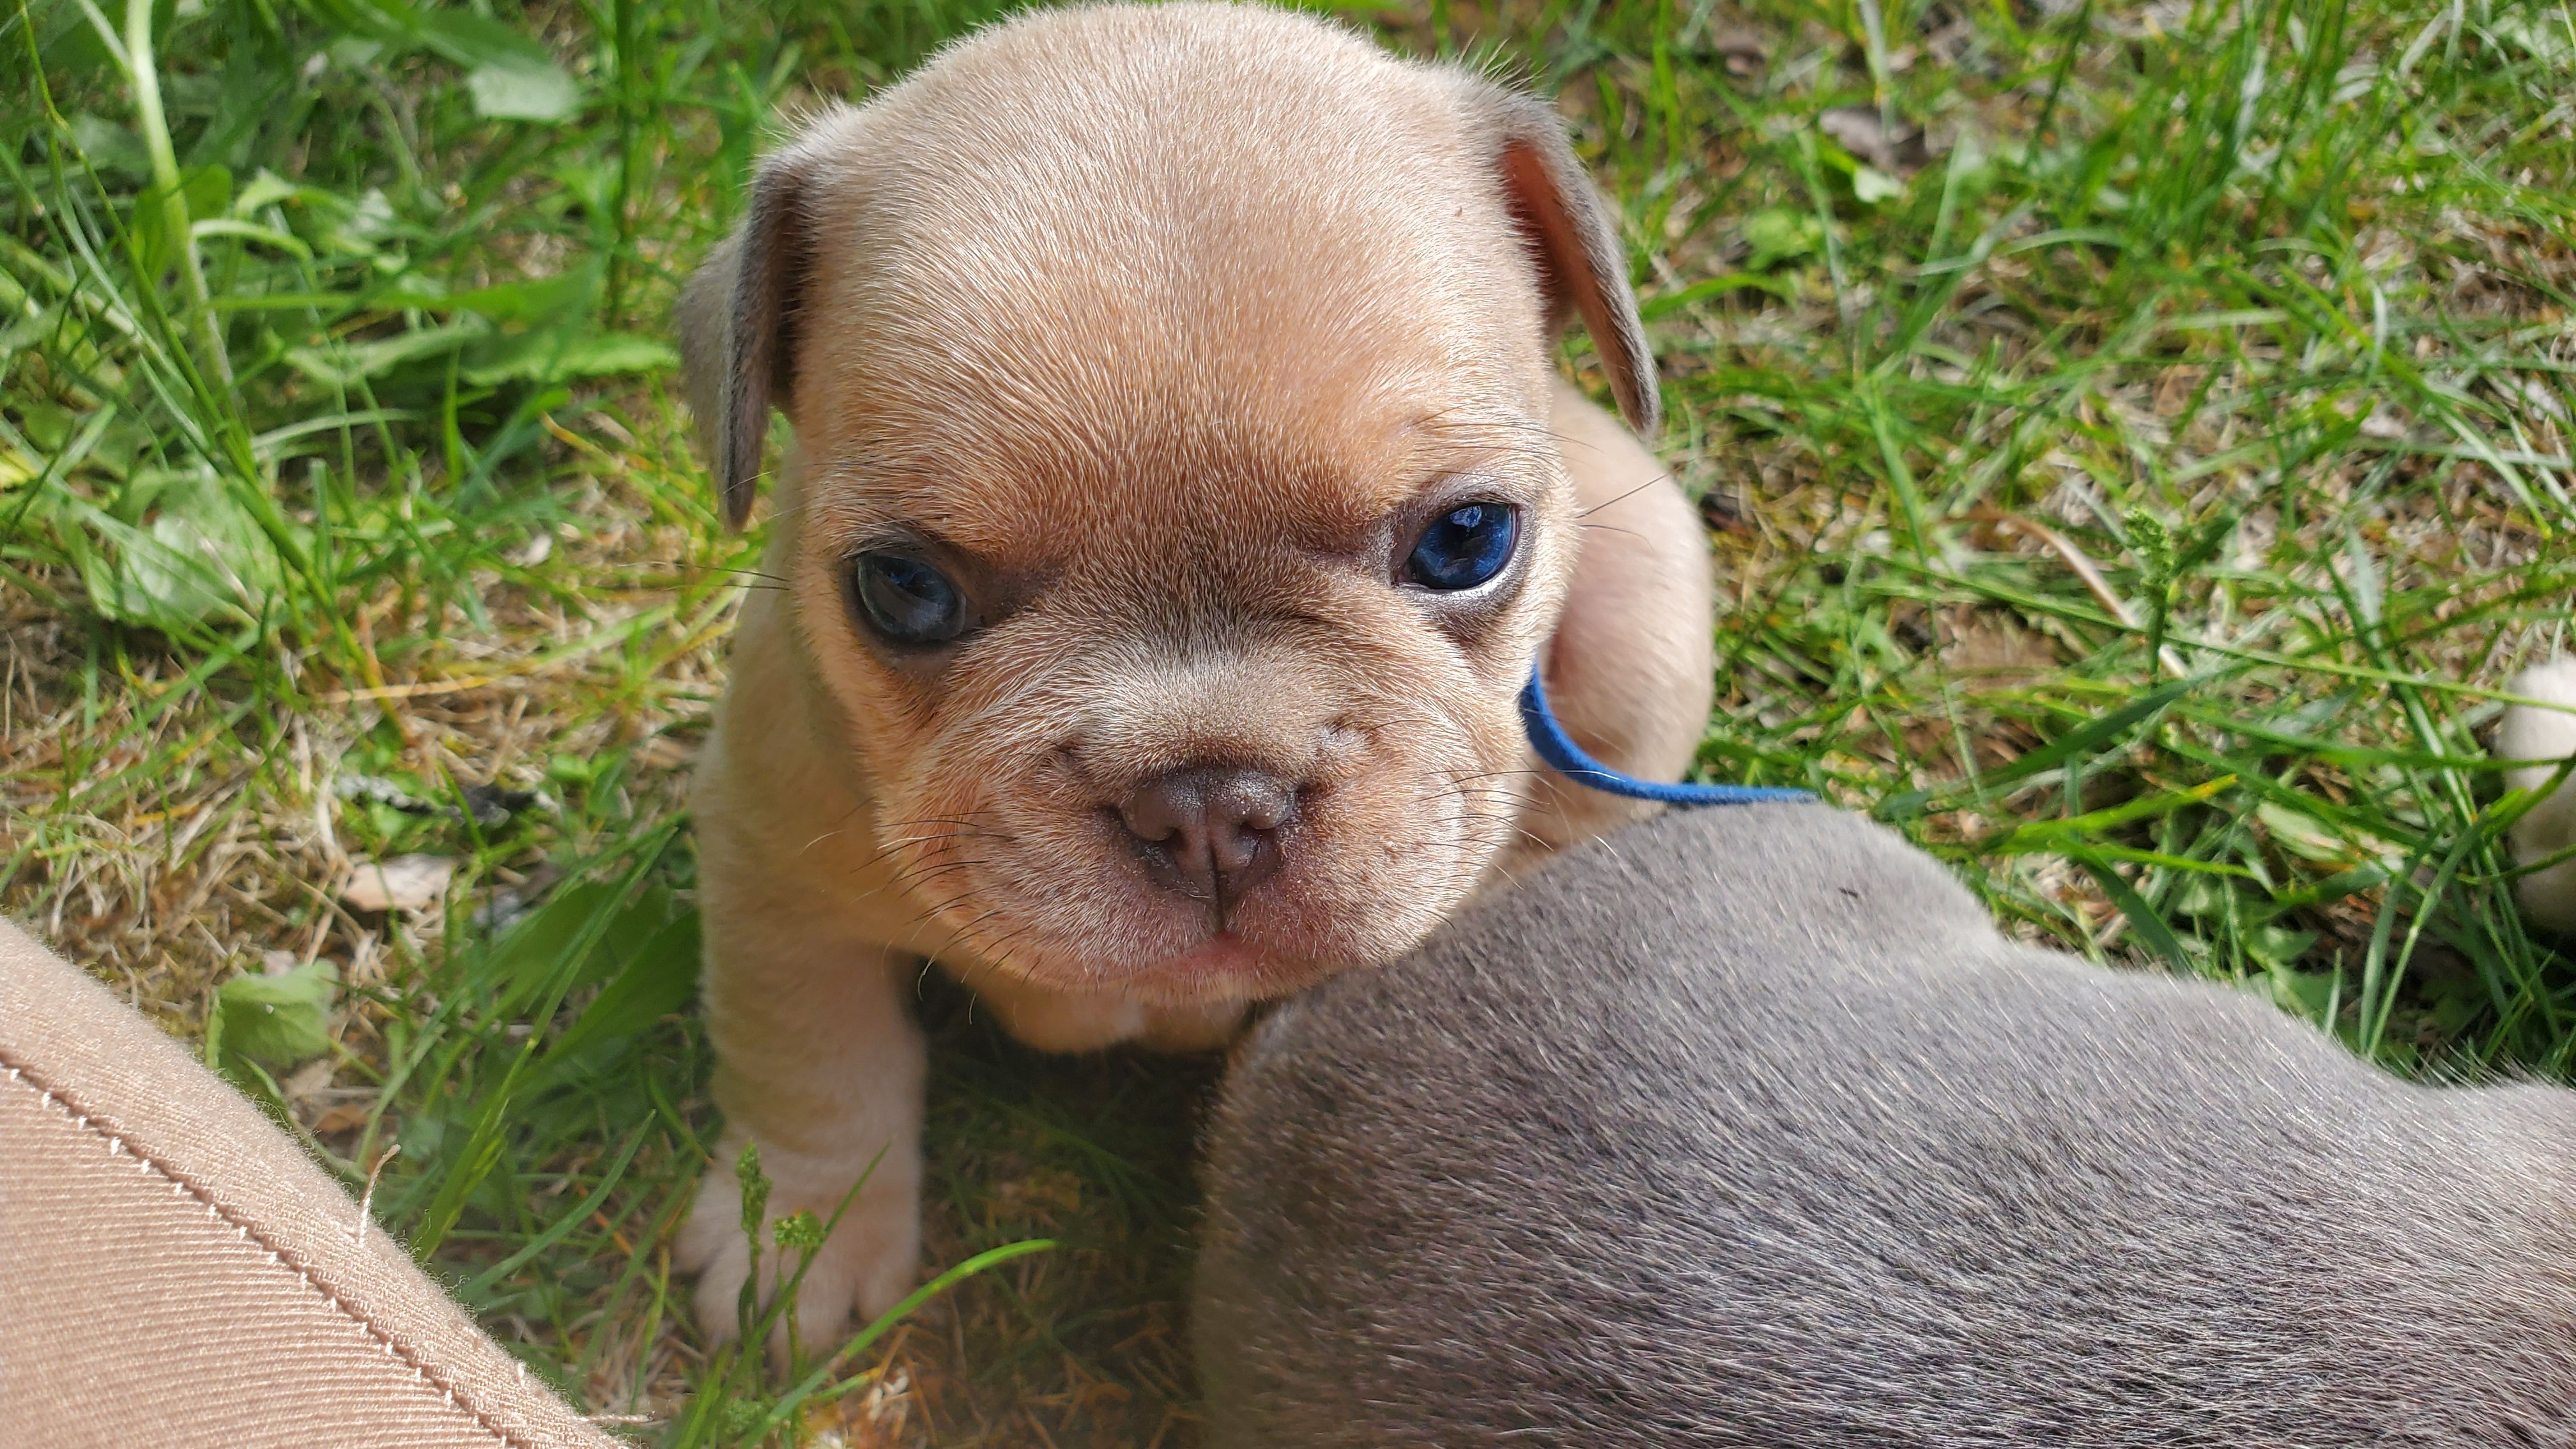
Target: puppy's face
x: 1176, y: 515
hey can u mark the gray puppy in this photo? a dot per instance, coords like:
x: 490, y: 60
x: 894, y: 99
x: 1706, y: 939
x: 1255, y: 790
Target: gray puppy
x: 1745, y: 1127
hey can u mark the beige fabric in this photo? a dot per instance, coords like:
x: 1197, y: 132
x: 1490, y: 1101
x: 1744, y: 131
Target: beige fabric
x: 175, y: 1272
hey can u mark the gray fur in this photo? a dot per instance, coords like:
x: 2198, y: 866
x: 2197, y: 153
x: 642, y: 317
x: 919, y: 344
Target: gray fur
x: 1744, y: 1127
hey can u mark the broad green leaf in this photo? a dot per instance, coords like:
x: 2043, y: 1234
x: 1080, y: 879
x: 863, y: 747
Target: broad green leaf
x: 532, y: 300
x: 352, y: 228
x: 472, y: 40
x: 111, y: 148
x: 1870, y: 186
x: 202, y: 555
x: 517, y: 91
x: 344, y: 364
x: 510, y: 75
x: 1778, y: 234
x: 2279, y: 944
x: 2310, y: 994
x: 558, y: 354
x: 276, y: 1021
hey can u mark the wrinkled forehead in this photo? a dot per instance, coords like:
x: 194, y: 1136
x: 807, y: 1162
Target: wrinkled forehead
x: 1298, y: 339
x: 1166, y: 479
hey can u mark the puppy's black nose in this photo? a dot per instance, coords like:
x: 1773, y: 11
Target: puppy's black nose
x: 1209, y: 832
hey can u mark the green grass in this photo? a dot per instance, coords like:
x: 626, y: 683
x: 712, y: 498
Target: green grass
x: 2136, y: 440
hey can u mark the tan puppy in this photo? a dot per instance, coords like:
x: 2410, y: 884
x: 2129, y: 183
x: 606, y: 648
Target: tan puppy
x: 1181, y: 493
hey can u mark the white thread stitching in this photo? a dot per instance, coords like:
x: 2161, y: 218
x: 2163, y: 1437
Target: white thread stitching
x: 383, y: 1337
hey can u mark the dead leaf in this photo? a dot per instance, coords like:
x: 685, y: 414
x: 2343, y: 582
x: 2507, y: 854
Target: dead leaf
x: 1998, y: 651
x: 665, y: 753
x: 1745, y: 52
x: 1864, y: 133
x: 2174, y: 390
x: 1724, y: 511
x: 309, y: 1081
x: 346, y: 1117
x: 404, y: 883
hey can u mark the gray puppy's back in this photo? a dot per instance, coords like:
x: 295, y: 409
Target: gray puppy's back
x: 1744, y: 1127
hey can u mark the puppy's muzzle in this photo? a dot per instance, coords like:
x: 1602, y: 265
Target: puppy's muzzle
x: 1210, y: 833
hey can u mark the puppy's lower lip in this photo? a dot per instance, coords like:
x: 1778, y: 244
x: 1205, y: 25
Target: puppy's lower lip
x: 1224, y: 953
x: 1210, y: 965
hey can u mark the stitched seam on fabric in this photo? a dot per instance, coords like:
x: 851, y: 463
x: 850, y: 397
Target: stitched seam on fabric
x: 393, y: 1346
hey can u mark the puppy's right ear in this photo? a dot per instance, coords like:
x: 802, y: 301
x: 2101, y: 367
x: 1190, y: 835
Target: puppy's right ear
x: 738, y: 325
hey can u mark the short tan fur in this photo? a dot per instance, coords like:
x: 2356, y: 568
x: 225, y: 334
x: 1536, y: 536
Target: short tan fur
x: 1162, y: 332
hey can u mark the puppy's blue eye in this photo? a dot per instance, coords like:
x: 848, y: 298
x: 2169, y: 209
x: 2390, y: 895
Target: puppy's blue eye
x: 1464, y: 547
x: 907, y: 601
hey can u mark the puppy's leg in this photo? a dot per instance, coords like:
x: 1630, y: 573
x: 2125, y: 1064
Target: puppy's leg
x: 819, y: 1062
x: 817, y: 1056
x: 1628, y: 669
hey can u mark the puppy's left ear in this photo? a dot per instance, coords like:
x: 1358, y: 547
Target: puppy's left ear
x: 1582, y: 268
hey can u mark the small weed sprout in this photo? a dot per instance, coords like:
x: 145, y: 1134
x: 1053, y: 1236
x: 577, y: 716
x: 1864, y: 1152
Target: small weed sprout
x: 755, y: 1205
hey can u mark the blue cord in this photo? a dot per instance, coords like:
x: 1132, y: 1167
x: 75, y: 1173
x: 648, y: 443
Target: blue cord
x: 1560, y: 751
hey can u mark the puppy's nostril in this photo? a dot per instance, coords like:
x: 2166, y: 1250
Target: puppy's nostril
x: 1209, y: 832
x: 1157, y: 812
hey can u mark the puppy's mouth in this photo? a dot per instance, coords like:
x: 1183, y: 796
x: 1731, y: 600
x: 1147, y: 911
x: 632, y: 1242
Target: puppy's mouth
x: 1174, y: 947
x: 1215, y: 897
x: 1223, y: 965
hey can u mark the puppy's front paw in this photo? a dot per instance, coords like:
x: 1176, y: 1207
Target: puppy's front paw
x: 868, y: 1262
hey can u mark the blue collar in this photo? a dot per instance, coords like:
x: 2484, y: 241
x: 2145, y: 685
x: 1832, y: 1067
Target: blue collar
x: 1561, y: 753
